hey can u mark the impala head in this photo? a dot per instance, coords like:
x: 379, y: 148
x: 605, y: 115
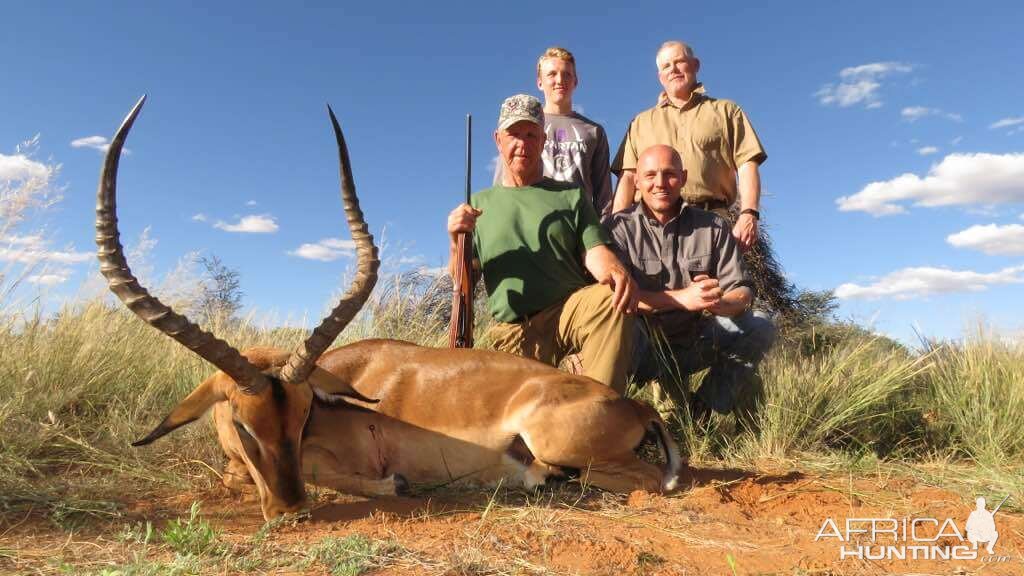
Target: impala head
x: 269, y: 392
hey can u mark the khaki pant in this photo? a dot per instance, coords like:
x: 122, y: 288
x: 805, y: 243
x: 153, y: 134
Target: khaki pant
x: 584, y: 323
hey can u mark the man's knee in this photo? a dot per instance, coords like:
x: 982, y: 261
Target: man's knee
x: 763, y: 331
x: 593, y: 307
x: 757, y: 334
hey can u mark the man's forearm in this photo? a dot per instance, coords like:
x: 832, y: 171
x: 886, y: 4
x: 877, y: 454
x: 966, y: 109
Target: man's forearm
x: 655, y: 301
x: 598, y: 260
x: 749, y: 185
x: 625, y: 191
x: 733, y: 303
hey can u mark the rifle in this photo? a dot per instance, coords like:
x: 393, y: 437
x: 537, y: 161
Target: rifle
x: 1000, y: 505
x: 460, y: 332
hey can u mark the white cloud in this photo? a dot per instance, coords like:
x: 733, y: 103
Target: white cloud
x: 20, y: 168
x: 956, y: 141
x: 1007, y: 122
x: 48, y: 279
x: 253, y: 224
x: 959, y: 179
x: 251, y: 203
x: 326, y: 250
x: 436, y: 272
x: 200, y: 217
x: 914, y: 113
x: 927, y: 150
x: 68, y: 257
x: 848, y: 94
x: 874, y: 70
x: 991, y: 239
x: 33, y: 249
x: 96, y: 143
x: 910, y: 283
x: 339, y: 244
x: 859, y: 85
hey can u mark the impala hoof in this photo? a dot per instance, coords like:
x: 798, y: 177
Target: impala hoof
x: 401, y: 486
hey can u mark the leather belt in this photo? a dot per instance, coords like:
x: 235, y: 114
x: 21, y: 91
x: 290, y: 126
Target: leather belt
x: 708, y: 205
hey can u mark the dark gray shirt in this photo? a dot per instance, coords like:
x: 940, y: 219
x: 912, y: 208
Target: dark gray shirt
x: 669, y: 257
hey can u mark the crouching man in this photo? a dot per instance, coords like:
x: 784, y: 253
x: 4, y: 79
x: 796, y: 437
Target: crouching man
x: 536, y: 240
x: 695, y: 293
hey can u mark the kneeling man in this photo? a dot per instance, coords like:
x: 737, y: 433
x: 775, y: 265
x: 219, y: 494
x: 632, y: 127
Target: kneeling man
x: 536, y: 241
x: 695, y: 292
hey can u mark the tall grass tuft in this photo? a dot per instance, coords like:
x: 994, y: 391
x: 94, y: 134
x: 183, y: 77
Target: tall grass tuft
x: 76, y: 389
x: 974, y: 398
x: 852, y: 395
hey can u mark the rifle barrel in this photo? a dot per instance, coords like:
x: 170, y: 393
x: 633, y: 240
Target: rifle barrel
x: 469, y: 154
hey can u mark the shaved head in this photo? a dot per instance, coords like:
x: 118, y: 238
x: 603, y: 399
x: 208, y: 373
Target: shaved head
x: 660, y: 154
x: 660, y: 177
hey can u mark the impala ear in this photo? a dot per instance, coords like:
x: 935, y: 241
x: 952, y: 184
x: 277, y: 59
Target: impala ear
x: 324, y: 381
x: 211, y: 391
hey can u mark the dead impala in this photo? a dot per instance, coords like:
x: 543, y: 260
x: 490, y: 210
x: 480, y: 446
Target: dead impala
x: 468, y: 415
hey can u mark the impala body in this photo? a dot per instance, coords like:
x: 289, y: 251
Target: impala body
x: 369, y: 417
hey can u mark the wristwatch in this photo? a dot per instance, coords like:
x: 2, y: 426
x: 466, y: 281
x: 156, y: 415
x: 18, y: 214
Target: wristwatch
x: 752, y: 212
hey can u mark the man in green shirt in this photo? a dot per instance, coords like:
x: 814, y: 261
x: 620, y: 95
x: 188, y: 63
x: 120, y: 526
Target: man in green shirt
x: 535, y: 242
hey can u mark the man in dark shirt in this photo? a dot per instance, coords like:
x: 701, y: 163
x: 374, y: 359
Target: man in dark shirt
x: 695, y: 292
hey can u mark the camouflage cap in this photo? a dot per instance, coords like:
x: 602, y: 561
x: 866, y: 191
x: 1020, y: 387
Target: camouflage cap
x: 520, y: 107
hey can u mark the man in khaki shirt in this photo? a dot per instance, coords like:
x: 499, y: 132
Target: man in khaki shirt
x: 715, y: 139
x: 695, y: 293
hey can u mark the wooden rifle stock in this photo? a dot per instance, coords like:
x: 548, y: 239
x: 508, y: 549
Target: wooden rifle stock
x: 460, y: 332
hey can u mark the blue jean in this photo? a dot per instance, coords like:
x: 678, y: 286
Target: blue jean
x: 731, y: 348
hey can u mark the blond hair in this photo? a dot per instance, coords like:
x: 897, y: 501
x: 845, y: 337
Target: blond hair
x: 556, y: 52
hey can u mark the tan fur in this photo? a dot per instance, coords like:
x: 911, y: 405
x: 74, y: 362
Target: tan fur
x: 449, y: 416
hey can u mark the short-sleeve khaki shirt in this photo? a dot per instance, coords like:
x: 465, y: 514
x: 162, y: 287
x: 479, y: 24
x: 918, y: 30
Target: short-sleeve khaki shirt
x: 713, y: 137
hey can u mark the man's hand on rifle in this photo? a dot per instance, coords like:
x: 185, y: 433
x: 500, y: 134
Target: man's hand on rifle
x: 461, y: 219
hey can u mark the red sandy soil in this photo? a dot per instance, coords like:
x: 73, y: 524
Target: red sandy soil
x: 726, y: 522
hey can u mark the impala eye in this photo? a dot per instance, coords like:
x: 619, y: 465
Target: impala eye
x: 243, y: 430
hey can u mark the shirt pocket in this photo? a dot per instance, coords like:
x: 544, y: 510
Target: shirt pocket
x: 650, y: 266
x: 705, y: 137
x: 696, y: 265
x: 654, y: 273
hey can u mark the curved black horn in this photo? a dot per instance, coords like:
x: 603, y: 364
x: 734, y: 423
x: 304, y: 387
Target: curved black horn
x: 302, y: 361
x: 122, y: 283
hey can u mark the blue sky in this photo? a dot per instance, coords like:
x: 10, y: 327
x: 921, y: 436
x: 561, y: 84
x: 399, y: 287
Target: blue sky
x: 894, y: 131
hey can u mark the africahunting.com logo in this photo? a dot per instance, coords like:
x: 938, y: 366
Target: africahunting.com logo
x: 916, y: 538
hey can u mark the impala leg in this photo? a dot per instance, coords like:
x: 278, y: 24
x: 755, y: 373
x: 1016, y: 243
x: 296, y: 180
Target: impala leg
x: 236, y: 474
x: 623, y: 477
x: 322, y: 468
x: 237, y: 478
